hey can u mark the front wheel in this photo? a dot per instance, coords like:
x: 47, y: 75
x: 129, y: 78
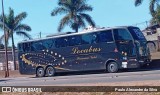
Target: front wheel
x: 112, y: 67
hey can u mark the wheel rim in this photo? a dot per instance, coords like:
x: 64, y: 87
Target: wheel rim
x: 40, y: 72
x: 50, y: 71
x: 112, y: 67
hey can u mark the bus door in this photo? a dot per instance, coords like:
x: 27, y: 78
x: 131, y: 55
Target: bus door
x: 125, y: 43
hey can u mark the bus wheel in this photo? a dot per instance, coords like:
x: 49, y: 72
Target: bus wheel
x: 40, y: 72
x: 50, y: 71
x: 112, y: 67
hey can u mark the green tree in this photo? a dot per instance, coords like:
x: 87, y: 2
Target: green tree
x: 13, y: 25
x: 152, y: 5
x: 75, y: 14
x: 156, y: 18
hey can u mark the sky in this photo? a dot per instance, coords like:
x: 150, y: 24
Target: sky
x: 106, y: 13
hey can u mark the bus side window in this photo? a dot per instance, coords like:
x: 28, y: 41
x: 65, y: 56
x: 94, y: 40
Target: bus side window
x: 94, y: 38
x: 89, y: 38
x: 74, y: 40
x: 86, y: 39
x: 64, y: 42
x: 26, y: 47
x: 49, y: 43
x: 61, y: 42
x: 20, y: 47
x: 122, y: 34
x: 78, y: 40
x: 38, y: 46
x: 105, y: 36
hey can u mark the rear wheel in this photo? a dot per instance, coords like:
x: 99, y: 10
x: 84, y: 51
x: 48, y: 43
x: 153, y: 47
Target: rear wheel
x: 40, y: 72
x: 50, y: 71
x: 112, y: 67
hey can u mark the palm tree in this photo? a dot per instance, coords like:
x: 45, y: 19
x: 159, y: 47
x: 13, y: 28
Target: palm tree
x: 151, y: 6
x: 13, y: 25
x: 75, y: 14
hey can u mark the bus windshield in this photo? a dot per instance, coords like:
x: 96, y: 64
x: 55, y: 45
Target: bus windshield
x: 136, y: 33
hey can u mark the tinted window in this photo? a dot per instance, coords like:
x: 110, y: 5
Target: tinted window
x: 36, y: 46
x: 20, y: 47
x: 136, y: 33
x: 61, y: 42
x: 86, y: 39
x: 49, y: 43
x: 105, y: 36
x: 122, y: 34
x: 74, y: 40
x: 26, y: 47
x: 89, y: 38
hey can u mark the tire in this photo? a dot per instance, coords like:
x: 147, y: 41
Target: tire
x: 112, y: 67
x: 40, y: 72
x: 50, y: 71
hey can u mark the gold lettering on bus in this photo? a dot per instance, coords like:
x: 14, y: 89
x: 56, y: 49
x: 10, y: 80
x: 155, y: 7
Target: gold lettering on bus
x: 91, y: 49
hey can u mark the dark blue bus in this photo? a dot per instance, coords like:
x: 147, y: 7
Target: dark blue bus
x: 108, y: 49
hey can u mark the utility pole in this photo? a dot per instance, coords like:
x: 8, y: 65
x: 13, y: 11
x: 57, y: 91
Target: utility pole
x: 147, y: 24
x: 40, y: 34
x: 6, y: 55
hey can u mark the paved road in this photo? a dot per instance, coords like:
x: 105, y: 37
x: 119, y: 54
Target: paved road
x: 151, y: 72
x: 83, y: 79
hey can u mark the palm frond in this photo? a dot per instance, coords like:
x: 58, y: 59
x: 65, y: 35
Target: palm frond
x: 6, y: 20
x: 10, y: 17
x: 20, y: 17
x: 73, y: 8
x: 138, y: 2
x: 2, y: 38
x: 64, y: 2
x: 81, y: 22
x: 58, y: 10
x: 64, y: 21
x: 152, y: 6
x: 88, y: 18
x: 85, y: 8
x: 24, y: 34
x: 23, y: 27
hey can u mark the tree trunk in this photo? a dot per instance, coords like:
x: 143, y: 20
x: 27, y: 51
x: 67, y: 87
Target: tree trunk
x: 13, y: 52
x: 76, y: 23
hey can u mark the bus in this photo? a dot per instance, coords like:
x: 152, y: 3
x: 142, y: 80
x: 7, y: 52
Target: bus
x: 109, y: 49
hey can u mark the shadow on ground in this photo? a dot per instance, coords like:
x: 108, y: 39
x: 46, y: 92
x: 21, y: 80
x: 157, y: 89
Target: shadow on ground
x: 4, y: 80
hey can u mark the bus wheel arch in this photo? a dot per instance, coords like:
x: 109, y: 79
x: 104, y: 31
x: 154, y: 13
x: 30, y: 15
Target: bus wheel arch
x: 112, y: 66
x: 50, y: 71
x: 40, y: 71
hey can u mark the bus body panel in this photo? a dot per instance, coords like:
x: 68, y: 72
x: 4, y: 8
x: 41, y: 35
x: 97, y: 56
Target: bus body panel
x: 127, y: 53
x: 79, y: 58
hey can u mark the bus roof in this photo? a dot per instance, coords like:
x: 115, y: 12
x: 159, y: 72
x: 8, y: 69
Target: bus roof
x: 75, y: 33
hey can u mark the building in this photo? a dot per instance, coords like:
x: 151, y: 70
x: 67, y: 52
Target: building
x: 10, y: 60
x: 152, y: 33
